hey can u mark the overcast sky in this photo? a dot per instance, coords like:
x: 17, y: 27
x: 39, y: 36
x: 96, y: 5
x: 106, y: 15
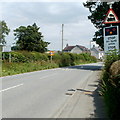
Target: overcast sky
x: 50, y: 16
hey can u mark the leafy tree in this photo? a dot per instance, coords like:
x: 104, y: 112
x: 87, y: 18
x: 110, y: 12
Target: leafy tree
x: 29, y: 38
x: 98, y: 11
x: 15, y: 47
x: 4, y: 30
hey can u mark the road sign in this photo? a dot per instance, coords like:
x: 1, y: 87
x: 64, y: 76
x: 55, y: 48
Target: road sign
x: 111, y: 38
x: 6, y: 49
x: 111, y: 17
x: 51, y: 53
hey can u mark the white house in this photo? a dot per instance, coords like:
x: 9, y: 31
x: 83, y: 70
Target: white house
x: 97, y: 52
x: 76, y: 49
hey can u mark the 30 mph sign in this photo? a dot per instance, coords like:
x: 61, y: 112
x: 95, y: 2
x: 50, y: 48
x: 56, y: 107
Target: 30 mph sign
x: 111, y: 38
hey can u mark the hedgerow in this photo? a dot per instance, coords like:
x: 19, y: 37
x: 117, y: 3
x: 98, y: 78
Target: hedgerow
x: 64, y: 59
x: 110, y: 85
x: 24, y: 61
x: 25, y: 56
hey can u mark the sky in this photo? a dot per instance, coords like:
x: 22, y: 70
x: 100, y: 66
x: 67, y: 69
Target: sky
x: 50, y: 16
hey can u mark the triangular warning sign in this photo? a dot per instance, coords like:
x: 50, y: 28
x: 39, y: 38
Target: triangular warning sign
x: 111, y: 17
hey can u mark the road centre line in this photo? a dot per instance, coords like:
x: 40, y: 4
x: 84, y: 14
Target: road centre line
x: 22, y: 83
x: 11, y: 87
x: 48, y: 76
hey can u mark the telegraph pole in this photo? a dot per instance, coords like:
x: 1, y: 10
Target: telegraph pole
x: 62, y: 36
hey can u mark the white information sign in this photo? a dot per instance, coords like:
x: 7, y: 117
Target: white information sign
x: 6, y: 49
x: 111, y: 38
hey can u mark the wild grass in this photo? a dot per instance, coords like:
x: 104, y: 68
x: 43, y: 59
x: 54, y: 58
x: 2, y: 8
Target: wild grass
x: 17, y: 68
x: 23, y: 61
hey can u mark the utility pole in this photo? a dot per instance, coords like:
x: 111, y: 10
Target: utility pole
x: 62, y: 36
x: 90, y: 44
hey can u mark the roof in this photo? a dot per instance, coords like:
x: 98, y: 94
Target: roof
x: 69, y: 48
x: 82, y: 48
x: 98, y: 49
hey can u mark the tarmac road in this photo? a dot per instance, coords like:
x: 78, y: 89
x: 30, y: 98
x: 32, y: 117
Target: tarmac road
x: 41, y: 94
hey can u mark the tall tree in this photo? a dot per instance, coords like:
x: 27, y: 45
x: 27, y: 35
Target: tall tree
x: 98, y: 11
x: 29, y: 38
x: 4, y: 31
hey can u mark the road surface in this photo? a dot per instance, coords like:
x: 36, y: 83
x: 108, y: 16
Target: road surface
x: 41, y: 94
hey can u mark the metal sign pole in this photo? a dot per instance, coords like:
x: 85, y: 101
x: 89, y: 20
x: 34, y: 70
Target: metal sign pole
x: 51, y: 58
x: 118, y: 40
x: 110, y: 4
x: 9, y: 56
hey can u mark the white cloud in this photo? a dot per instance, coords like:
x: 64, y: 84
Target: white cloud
x: 43, y: 1
x: 55, y: 9
x: 49, y: 16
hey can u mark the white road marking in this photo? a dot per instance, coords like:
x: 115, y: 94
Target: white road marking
x: 48, y: 76
x: 65, y: 69
x: 10, y: 88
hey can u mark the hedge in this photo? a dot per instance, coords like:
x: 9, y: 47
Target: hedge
x: 110, y: 87
x: 62, y: 59
x: 24, y: 56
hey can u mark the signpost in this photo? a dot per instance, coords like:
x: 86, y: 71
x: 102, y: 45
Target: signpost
x: 111, y: 34
x: 51, y: 54
x: 7, y: 49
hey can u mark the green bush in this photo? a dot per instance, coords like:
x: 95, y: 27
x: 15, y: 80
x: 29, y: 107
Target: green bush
x: 24, y: 61
x: 17, y: 68
x: 63, y: 59
x: 66, y: 60
x: 73, y: 58
x: 110, y: 58
x: 57, y: 58
x: 110, y: 87
x: 18, y: 57
x: 34, y: 56
x: 5, y: 56
x: 24, y: 56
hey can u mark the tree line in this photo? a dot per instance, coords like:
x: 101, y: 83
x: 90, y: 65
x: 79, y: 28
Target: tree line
x: 27, y: 38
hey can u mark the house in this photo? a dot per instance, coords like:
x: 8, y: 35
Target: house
x: 76, y: 49
x: 97, y: 52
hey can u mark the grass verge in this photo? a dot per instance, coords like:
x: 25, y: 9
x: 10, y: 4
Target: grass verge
x: 17, y: 68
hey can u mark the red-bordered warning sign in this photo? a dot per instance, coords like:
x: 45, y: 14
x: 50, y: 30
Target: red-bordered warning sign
x: 111, y: 17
